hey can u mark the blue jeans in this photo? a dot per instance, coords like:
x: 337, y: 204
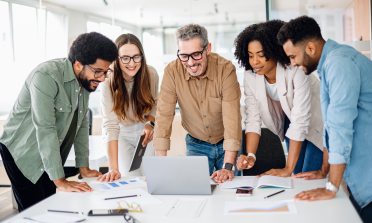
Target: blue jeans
x: 364, y: 213
x: 214, y: 152
x: 311, y: 157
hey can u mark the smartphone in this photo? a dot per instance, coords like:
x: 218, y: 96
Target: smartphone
x: 243, y: 193
x: 107, y: 212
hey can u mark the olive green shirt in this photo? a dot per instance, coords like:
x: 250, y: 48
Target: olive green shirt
x: 40, y: 120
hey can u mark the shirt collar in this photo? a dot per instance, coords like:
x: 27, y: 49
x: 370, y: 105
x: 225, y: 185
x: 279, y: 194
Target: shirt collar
x: 327, y: 48
x: 68, y: 72
x: 208, y: 73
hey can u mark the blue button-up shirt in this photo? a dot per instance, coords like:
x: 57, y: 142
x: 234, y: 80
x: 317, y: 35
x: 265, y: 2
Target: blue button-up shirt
x: 346, y: 100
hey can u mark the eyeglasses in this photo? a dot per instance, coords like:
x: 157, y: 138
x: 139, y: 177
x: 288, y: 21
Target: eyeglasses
x: 195, y: 55
x: 99, y: 74
x: 133, y: 207
x: 136, y: 59
x: 129, y: 219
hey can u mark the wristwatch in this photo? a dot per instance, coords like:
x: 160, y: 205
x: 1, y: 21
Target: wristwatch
x: 252, y: 155
x: 150, y: 123
x: 228, y: 166
x: 331, y: 187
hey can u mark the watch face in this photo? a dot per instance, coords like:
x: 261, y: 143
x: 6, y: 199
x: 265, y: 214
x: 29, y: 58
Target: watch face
x: 228, y: 166
x: 152, y: 123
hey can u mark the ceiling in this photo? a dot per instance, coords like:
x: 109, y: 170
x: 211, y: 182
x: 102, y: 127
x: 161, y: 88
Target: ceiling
x: 150, y: 13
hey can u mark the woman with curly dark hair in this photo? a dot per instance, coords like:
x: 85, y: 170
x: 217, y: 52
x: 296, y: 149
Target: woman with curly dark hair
x: 284, y: 98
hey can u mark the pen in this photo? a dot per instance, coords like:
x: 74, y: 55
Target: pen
x: 274, y: 194
x: 70, y: 212
x: 111, y: 198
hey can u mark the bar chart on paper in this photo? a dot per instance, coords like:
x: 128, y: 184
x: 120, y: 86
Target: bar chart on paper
x: 117, y: 185
x: 260, y: 207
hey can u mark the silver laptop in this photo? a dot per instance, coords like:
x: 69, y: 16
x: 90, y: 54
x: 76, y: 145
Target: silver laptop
x: 177, y: 175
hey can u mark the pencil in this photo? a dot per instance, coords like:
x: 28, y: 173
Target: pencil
x: 274, y: 194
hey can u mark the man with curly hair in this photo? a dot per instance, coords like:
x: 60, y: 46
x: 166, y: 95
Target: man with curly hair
x: 284, y: 98
x: 49, y: 116
x: 346, y: 99
x: 206, y: 88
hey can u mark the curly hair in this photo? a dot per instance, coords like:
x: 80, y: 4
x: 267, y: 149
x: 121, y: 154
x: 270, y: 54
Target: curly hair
x: 298, y: 30
x: 265, y: 33
x: 89, y: 47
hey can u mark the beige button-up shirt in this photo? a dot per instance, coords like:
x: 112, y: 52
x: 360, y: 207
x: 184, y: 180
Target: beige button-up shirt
x: 210, y: 107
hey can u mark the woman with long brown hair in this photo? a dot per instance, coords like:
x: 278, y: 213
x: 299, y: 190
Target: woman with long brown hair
x: 128, y: 105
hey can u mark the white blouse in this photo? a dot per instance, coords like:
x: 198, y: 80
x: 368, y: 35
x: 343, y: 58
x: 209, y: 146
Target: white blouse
x: 272, y: 91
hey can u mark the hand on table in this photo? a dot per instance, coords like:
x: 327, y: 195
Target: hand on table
x: 277, y: 172
x: 316, y: 194
x: 72, y: 186
x: 223, y: 175
x: 86, y: 172
x: 318, y: 174
x: 149, y: 132
x: 110, y: 176
x: 245, y: 162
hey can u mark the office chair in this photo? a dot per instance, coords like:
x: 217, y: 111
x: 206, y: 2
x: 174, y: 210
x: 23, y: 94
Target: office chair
x: 269, y: 155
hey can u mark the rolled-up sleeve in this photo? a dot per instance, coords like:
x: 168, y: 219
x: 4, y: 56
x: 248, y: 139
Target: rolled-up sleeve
x: 110, y: 121
x: 231, y: 110
x: 253, y: 119
x: 300, y: 112
x: 165, y: 111
x: 43, y: 90
x: 344, y: 81
x: 154, y: 90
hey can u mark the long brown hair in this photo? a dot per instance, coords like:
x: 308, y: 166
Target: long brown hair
x: 141, y: 97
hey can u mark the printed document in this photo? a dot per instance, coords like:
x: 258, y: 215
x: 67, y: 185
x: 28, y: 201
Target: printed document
x: 251, y: 182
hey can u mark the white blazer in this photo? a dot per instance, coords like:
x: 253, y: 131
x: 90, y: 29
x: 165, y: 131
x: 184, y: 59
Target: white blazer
x: 299, y: 99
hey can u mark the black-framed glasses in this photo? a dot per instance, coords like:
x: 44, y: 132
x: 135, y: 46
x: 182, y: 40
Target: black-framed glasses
x: 129, y: 219
x: 99, y: 74
x: 195, y: 55
x: 126, y: 59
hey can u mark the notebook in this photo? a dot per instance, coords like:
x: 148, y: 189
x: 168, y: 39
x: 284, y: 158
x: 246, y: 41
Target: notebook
x: 252, y: 182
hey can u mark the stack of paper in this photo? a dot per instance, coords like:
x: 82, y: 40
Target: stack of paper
x: 260, y: 207
x: 117, y: 185
x: 143, y: 199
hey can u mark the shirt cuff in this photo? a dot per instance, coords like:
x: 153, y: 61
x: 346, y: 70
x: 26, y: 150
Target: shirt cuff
x: 153, y: 112
x: 253, y: 128
x: 81, y: 162
x: 335, y: 158
x: 55, y: 173
x: 232, y: 145
x: 111, y: 136
x: 161, y: 144
x: 295, y: 135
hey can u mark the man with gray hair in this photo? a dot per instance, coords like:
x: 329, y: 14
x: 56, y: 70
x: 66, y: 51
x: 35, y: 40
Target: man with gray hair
x: 206, y: 88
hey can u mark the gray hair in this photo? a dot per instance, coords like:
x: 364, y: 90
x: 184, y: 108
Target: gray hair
x: 191, y: 31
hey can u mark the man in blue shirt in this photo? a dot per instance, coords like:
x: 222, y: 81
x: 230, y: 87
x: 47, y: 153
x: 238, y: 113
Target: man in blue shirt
x: 346, y: 100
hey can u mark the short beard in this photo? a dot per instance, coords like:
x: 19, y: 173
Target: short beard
x: 309, y: 64
x: 85, y: 83
x: 203, y: 68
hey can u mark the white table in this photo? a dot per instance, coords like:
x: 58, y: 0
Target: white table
x: 337, y: 210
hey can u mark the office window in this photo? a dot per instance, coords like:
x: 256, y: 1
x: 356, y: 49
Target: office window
x: 36, y: 36
x: 6, y: 52
x: 56, y: 37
